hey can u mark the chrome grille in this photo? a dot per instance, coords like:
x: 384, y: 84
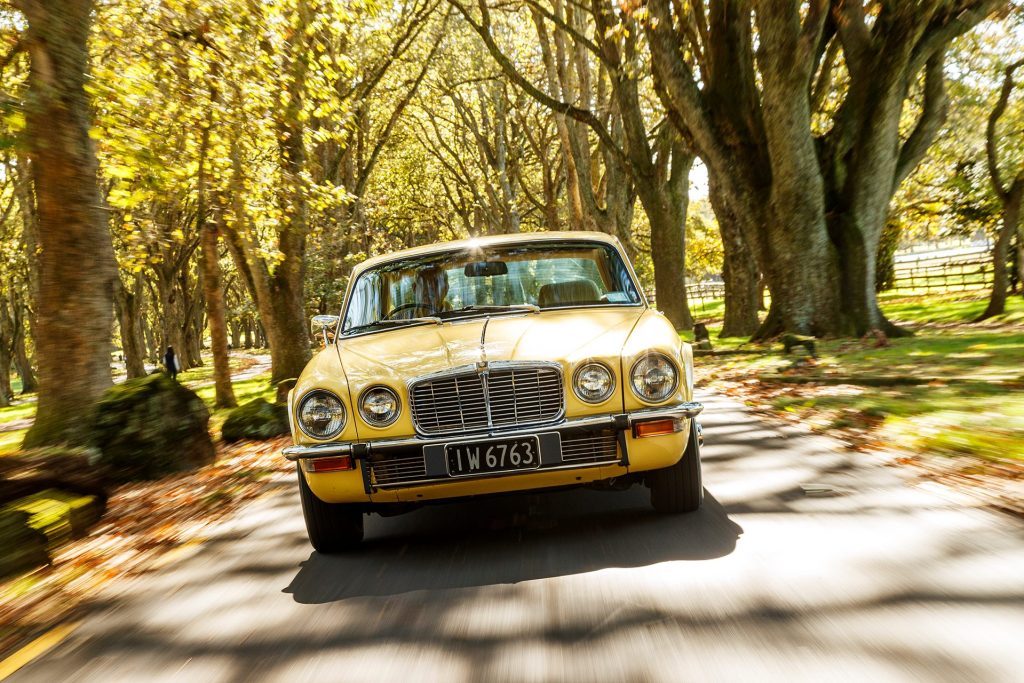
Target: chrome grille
x: 398, y: 470
x: 590, y: 448
x: 518, y: 395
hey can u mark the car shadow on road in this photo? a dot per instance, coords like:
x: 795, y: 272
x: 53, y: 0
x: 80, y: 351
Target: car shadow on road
x: 513, y: 539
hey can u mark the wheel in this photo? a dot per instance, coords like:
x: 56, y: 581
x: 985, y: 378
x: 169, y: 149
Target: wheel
x: 331, y: 527
x: 679, y: 488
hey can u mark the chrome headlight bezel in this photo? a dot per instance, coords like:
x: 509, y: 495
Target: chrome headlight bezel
x: 363, y: 413
x: 314, y: 394
x: 595, y: 365
x: 637, y: 371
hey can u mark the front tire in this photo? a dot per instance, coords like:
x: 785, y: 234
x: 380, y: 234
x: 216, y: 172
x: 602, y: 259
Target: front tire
x: 331, y: 527
x: 679, y: 488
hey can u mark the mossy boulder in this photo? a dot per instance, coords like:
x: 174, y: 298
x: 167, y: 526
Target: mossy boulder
x: 258, y: 419
x: 150, y: 427
x: 21, y: 546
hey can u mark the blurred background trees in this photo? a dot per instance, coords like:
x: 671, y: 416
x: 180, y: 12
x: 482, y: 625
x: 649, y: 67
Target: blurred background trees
x: 203, y: 174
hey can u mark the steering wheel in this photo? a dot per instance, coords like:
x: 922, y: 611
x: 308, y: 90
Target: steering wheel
x: 406, y: 307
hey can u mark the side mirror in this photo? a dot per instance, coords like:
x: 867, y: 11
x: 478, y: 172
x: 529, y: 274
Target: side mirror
x: 323, y: 328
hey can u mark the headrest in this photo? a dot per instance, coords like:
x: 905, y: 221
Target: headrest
x: 568, y: 294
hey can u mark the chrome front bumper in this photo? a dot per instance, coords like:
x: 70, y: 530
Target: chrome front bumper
x: 619, y: 422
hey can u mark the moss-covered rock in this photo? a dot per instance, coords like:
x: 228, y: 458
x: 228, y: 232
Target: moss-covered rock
x: 150, y: 427
x: 59, y: 515
x: 21, y: 546
x: 258, y: 419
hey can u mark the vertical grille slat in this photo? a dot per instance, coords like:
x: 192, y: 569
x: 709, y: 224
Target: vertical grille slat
x: 519, y: 394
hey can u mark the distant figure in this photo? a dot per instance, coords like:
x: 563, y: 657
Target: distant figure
x: 171, y: 363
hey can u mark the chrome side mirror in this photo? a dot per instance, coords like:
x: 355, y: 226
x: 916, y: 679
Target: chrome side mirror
x: 324, y: 327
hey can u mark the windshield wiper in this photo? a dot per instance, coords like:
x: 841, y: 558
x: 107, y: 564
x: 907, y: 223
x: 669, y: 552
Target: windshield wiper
x: 433, y: 319
x: 496, y: 308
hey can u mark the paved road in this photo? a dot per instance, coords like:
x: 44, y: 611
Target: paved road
x: 882, y: 581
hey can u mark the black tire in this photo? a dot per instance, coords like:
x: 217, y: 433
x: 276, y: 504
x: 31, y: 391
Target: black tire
x: 331, y: 527
x: 679, y: 488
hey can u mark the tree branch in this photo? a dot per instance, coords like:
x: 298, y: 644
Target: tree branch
x: 853, y: 32
x: 991, y: 155
x: 396, y: 114
x: 585, y: 116
x: 933, y: 114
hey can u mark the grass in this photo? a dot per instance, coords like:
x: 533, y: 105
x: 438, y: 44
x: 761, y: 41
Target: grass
x: 245, y: 391
x: 969, y: 401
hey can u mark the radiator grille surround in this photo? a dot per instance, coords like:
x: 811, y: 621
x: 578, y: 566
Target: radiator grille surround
x: 491, y: 397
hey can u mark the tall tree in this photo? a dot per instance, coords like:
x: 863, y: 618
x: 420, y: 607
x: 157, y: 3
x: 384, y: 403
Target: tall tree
x: 1009, y: 188
x: 77, y: 268
x: 810, y: 198
x: 655, y: 165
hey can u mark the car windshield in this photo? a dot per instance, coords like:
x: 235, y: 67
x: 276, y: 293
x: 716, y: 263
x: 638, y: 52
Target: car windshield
x: 447, y: 285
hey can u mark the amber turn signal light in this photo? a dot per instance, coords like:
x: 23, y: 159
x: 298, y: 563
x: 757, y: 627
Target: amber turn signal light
x: 657, y: 427
x: 338, y: 464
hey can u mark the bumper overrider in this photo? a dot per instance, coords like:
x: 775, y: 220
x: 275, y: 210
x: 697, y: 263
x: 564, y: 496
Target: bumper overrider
x: 570, y: 444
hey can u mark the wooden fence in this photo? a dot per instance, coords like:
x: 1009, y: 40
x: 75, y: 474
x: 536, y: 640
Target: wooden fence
x: 701, y: 295
x: 943, y: 274
x: 949, y: 270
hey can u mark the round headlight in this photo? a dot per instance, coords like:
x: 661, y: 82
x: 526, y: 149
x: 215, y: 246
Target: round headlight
x: 653, y: 378
x: 379, y: 406
x: 321, y: 414
x: 593, y: 382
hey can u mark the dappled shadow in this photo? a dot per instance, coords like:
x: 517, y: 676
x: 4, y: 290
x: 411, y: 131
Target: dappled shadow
x: 879, y: 581
x: 513, y: 539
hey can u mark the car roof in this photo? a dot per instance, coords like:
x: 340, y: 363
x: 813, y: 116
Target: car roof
x: 489, y: 241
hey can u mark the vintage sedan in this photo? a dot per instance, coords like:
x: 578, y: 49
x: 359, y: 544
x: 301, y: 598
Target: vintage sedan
x: 487, y: 366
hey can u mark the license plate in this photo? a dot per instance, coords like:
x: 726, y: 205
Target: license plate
x: 507, y: 455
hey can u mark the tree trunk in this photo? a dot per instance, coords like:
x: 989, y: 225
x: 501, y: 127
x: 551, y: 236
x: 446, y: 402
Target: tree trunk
x: 77, y: 267
x: 22, y: 362
x: 1001, y: 254
x: 214, y: 294
x: 6, y: 346
x: 236, y: 334
x: 666, y: 202
x: 248, y: 334
x: 129, y: 315
x: 1020, y: 258
x: 739, y: 272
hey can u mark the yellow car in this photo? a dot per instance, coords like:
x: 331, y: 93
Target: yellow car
x: 491, y: 365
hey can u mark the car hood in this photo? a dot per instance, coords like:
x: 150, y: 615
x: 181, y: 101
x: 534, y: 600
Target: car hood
x: 563, y: 336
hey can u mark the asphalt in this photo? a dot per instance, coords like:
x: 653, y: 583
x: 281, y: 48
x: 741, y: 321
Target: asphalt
x: 807, y: 562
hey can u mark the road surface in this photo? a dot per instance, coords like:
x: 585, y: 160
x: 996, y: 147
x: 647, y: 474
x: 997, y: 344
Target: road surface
x: 807, y: 562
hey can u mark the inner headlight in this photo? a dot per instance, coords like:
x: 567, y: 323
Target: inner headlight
x: 593, y: 382
x: 379, y: 406
x: 321, y: 414
x: 654, y: 378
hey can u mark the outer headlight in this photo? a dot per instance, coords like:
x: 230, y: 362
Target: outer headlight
x: 654, y: 378
x: 379, y: 406
x: 593, y: 382
x: 321, y: 414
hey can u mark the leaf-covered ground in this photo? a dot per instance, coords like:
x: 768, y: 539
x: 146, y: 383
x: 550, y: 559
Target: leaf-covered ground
x: 143, y: 525
x: 949, y: 398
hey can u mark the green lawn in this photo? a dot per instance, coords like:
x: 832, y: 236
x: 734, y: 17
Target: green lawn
x: 969, y: 400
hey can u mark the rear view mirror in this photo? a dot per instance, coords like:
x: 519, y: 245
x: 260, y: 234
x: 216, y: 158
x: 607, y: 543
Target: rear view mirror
x: 485, y: 269
x: 323, y: 327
